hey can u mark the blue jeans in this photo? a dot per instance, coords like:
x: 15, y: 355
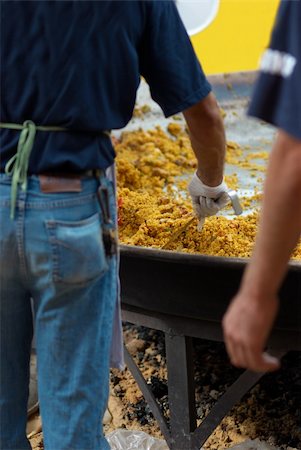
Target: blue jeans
x: 53, y: 252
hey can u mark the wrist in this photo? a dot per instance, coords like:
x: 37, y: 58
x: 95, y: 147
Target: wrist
x: 210, y: 181
x: 211, y: 191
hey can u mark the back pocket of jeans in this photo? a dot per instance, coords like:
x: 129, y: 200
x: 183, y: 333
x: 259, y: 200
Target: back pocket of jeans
x: 77, y: 250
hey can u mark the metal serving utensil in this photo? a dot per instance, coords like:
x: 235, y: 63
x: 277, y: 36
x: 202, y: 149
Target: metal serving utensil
x: 235, y: 202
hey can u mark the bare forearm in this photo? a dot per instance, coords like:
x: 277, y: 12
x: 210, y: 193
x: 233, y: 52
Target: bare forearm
x: 210, y: 156
x: 280, y: 224
x: 207, y: 139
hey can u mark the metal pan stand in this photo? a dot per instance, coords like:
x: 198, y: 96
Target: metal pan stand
x: 185, y: 295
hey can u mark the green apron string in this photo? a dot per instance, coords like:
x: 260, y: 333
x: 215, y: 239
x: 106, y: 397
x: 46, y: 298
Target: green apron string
x: 17, y: 166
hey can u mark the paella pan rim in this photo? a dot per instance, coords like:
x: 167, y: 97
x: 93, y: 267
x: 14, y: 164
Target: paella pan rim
x: 190, y: 258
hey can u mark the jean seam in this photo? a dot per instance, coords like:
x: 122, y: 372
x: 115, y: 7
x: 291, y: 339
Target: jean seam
x: 52, y: 204
x: 64, y: 203
x: 50, y: 228
x: 20, y: 238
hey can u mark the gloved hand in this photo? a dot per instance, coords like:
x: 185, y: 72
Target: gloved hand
x: 207, y: 200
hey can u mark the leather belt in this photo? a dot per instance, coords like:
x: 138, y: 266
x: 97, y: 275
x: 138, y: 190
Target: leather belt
x: 66, y: 182
x: 92, y: 173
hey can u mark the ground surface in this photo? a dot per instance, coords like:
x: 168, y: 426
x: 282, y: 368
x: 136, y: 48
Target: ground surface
x: 270, y: 412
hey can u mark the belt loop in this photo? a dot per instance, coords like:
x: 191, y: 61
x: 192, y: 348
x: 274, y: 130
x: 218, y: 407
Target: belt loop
x: 98, y: 173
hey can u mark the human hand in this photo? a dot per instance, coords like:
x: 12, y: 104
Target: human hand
x: 247, y: 324
x: 207, y: 200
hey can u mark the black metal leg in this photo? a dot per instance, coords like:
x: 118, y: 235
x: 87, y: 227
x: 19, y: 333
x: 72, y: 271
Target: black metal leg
x: 184, y: 434
x: 148, y: 395
x: 222, y: 407
x: 181, y: 390
x: 232, y: 396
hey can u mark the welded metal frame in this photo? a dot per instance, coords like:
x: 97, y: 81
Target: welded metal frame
x: 152, y: 296
x: 185, y: 295
x: 182, y: 433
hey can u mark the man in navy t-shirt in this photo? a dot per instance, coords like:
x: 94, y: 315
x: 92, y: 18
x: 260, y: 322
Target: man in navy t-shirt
x: 277, y: 100
x: 69, y: 74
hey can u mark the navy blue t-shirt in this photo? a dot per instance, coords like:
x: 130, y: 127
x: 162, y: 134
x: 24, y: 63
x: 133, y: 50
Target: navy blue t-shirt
x: 277, y: 95
x: 77, y: 64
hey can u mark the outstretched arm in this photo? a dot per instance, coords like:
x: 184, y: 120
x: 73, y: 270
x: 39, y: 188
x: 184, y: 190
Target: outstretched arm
x: 251, y: 315
x: 206, y: 129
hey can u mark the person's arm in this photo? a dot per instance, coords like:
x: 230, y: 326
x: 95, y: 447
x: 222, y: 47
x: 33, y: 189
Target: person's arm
x: 251, y: 315
x: 207, y: 135
x: 207, y: 189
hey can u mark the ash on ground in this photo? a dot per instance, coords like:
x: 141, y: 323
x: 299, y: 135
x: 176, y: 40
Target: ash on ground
x: 270, y: 412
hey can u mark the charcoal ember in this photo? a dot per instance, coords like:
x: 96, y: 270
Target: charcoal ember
x: 158, y: 387
x: 114, y: 379
x: 141, y: 411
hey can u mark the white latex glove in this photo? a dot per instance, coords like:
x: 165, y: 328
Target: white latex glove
x: 207, y: 200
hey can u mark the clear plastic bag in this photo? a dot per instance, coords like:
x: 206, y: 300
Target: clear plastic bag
x: 122, y: 439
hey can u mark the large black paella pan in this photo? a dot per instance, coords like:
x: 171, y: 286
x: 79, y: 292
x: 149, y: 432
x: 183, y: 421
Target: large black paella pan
x: 195, y: 286
x: 185, y: 295
x: 199, y: 288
